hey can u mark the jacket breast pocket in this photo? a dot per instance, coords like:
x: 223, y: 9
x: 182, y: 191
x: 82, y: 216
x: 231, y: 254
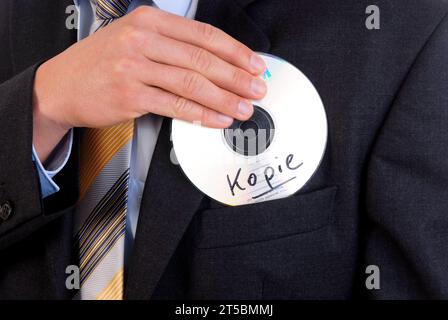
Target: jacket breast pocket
x: 231, y: 226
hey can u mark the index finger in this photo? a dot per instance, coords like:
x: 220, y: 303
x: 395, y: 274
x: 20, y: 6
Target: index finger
x: 209, y: 38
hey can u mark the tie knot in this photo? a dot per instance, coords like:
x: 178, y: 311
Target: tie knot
x: 111, y: 9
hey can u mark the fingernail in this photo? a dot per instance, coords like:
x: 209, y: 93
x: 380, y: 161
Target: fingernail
x: 224, y: 120
x: 245, y: 109
x: 258, y: 87
x: 257, y: 63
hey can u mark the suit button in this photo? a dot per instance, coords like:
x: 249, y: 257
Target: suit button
x: 6, y: 210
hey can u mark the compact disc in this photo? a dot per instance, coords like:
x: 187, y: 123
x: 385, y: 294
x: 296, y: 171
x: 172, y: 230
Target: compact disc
x: 270, y: 156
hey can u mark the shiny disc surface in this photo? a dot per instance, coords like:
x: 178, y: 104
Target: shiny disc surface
x: 288, y: 138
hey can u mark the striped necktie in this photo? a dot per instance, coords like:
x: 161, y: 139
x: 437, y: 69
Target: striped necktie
x: 100, y: 220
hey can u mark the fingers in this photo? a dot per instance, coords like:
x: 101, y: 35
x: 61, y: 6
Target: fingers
x: 161, y: 102
x: 194, y: 86
x: 202, y: 35
x: 191, y: 70
x: 214, y: 40
x: 223, y: 74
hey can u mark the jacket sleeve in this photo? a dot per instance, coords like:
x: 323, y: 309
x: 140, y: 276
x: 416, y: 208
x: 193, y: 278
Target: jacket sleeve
x: 22, y: 210
x: 407, y: 183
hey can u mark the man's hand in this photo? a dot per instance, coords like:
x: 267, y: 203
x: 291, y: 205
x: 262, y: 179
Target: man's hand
x: 148, y: 61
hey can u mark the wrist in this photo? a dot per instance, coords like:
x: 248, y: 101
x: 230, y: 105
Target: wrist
x: 48, y: 129
x: 48, y: 101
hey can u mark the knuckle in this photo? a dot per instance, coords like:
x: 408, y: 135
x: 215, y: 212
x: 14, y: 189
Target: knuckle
x: 141, y: 14
x: 192, y: 83
x: 205, y: 116
x: 207, y: 32
x: 136, y: 38
x: 237, y: 78
x: 200, y: 59
x: 242, y: 52
x: 148, y: 101
x: 181, y: 107
x: 122, y: 66
x: 123, y: 35
x: 131, y: 37
x: 148, y: 16
x: 229, y: 104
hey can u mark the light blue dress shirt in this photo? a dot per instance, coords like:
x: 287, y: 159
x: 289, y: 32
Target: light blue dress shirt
x: 62, y: 153
x: 146, y: 129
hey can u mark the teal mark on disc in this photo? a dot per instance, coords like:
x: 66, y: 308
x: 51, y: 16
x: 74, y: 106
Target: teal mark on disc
x: 267, y: 75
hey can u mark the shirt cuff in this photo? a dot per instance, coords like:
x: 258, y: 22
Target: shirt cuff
x: 58, y: 162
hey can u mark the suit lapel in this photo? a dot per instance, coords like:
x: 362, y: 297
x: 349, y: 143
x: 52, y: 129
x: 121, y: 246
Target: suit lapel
x: 40, y: 31
x: 169, y: 202
x: 169, y: 199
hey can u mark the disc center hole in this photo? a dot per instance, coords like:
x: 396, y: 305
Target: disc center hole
x: 250, y: 125
x: 253, y: 136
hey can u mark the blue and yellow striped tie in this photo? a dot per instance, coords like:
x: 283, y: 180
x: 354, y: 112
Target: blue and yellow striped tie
x: 100, y: 220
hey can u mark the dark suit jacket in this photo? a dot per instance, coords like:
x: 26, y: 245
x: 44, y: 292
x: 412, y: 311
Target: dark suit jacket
x: 379, y: 198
